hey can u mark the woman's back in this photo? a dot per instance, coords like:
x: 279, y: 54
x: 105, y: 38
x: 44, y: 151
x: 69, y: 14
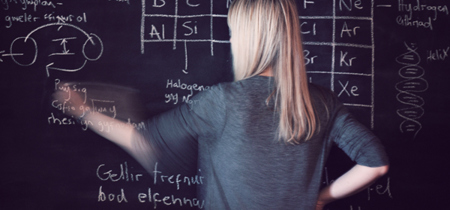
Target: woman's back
x: 243, y: 163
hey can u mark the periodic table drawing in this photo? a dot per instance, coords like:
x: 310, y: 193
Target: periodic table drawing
x: 339, y: 43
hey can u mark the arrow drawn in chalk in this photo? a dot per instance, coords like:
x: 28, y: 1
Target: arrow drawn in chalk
x: 63, y: 42
x: 10, y: 54
x: 185, y: 58
x: 49, y: 67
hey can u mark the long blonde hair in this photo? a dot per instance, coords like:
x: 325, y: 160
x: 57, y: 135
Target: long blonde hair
x: 266, y: 35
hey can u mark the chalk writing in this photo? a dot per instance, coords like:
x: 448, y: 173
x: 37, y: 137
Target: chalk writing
x: 62, y: 121
x: 437, y: 54
x: 419, y: 6
x: 23, y: 18
x: 122, y: 1
x: 102, y: 196
x: 169, y: 200
x: 412, y: 10
x: 348, y: 90
x: 104, y: 106
x: 123, y: 175
x: 89, y: 106
x: 405, y: 21
x: 70, y: 88
x: 35, y: 16
x: 174, y: 97
x: 183, y: 86
x: 48, y: 17
x: 380, y: 189
x: 309, y: 59
x: 34, y: 4
x: 407, y: 90
x: 176, y: 179
x: 66, y: 18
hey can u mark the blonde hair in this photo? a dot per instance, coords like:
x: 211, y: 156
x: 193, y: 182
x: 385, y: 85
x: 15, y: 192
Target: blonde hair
x: 266, y: 35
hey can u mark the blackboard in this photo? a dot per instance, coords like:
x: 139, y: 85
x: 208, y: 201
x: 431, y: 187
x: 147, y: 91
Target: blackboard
x: 388, y: 61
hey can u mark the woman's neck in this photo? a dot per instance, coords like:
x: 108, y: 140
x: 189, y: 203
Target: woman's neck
x: 267, y: 73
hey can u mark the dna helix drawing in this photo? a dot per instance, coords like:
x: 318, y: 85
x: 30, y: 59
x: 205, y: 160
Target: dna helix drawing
x: 408, y: 89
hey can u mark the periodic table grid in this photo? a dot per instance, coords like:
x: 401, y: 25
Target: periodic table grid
x: 333, y: 43
x: 176, y: 17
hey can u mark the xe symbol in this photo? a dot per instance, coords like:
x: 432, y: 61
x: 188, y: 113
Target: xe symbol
x: 352, y: 90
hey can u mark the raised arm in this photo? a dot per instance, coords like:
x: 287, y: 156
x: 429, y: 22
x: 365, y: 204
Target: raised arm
x: 356, y: 179
x: 122, y: 134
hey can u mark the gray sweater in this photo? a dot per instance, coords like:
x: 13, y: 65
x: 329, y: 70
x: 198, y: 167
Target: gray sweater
x: 243, y: 164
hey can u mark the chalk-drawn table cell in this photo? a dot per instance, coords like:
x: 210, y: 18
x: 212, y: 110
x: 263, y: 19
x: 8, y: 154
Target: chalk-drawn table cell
x: 191, y: 7
x: 221, y: 32
x: 353, y: 60
x: 160, y: 7
x: 353, y: 90
x: 355, y: 32
x: 353, y: 8
x: 220, y: 7
x: 318, y: 58
x: 159, y: 28
x: 196, y: 28
x: 315, y: 7
x: 322, y: 78
x: 317, y: 30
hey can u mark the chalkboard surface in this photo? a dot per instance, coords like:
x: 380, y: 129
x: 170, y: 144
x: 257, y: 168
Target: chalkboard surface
x: 388, y: 61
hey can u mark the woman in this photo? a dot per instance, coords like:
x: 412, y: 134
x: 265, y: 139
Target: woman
x: 263, y: 140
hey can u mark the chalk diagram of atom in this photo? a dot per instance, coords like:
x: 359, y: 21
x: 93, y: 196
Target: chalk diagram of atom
x: 68, y: 48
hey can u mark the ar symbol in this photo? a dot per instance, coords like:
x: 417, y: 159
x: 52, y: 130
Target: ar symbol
x: 349, y: 31
x: 345, y: 90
